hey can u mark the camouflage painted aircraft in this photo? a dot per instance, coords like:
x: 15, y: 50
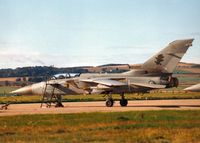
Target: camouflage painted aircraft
x: 155, y: 73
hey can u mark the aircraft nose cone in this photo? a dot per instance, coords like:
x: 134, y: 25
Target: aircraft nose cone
x: 194, y: 88
x: 23, y: 91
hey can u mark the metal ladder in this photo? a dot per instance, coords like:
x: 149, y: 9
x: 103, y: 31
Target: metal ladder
x: 48, y: 98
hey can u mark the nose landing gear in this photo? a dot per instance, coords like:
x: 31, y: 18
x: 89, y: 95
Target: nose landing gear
x: 109, y: 100
x: 49, y: 98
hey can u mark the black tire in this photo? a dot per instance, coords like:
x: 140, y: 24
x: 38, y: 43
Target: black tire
x: 123, y: 102
x: 109, y: 102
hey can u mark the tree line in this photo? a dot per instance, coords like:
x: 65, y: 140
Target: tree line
x: 39, y: 71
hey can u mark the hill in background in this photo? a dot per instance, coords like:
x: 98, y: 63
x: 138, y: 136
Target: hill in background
x: 187, y: 73
x: 110, y: 68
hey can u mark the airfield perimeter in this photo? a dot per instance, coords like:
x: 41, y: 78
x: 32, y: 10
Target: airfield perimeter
x: 81, y: 107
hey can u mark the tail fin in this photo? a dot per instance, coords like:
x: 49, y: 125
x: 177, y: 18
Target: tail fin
x: 166, y: 60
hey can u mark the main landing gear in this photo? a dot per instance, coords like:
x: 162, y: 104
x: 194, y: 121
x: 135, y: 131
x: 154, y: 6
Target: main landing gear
x: 109, y: 101
x: 123, y: 101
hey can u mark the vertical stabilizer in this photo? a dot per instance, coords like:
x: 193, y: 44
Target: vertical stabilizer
x: 167, y: 59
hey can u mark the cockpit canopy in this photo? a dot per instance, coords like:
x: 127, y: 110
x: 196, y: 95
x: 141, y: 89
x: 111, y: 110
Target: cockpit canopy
x: 65, y: 75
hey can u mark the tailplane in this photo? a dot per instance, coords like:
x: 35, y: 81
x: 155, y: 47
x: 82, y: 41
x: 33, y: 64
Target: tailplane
x: 167, y: 59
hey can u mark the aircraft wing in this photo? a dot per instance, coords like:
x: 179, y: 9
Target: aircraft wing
x: 63, y: 86
x: 114, y: 83
x: 107, y: 82
x: 152, y: 86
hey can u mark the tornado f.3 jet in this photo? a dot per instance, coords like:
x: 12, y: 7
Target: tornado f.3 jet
x: 155, y: 73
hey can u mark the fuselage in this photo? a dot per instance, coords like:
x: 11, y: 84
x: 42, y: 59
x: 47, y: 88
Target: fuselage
x: 74, y: 85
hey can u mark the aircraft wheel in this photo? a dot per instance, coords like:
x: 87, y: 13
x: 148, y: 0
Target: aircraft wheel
x: 109, y: 102
x: 123, y: 102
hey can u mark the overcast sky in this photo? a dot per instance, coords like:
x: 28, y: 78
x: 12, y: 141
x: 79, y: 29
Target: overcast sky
x: 94, y: 32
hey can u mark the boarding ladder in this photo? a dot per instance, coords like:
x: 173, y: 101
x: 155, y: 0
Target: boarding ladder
x: 48, y: 97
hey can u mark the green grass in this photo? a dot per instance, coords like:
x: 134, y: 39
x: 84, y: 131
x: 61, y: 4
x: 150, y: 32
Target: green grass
x: 150, y: 96
x: 138, y: 126
x: 179, y: 71
x: 189, y: 79
x: 96, y: 97
x: 7, y: 89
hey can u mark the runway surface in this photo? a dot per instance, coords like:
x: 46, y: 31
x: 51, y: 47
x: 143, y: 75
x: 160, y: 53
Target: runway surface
x: 81, y: 107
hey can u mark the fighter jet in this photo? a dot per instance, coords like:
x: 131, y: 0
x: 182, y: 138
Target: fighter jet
x: 155, y: 73
x: 193, y: 88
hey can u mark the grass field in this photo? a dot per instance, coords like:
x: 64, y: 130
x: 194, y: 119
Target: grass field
x: 4, y: 90
x: 7, y: 89
x: 141, y: 127
x: 78, y: 98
